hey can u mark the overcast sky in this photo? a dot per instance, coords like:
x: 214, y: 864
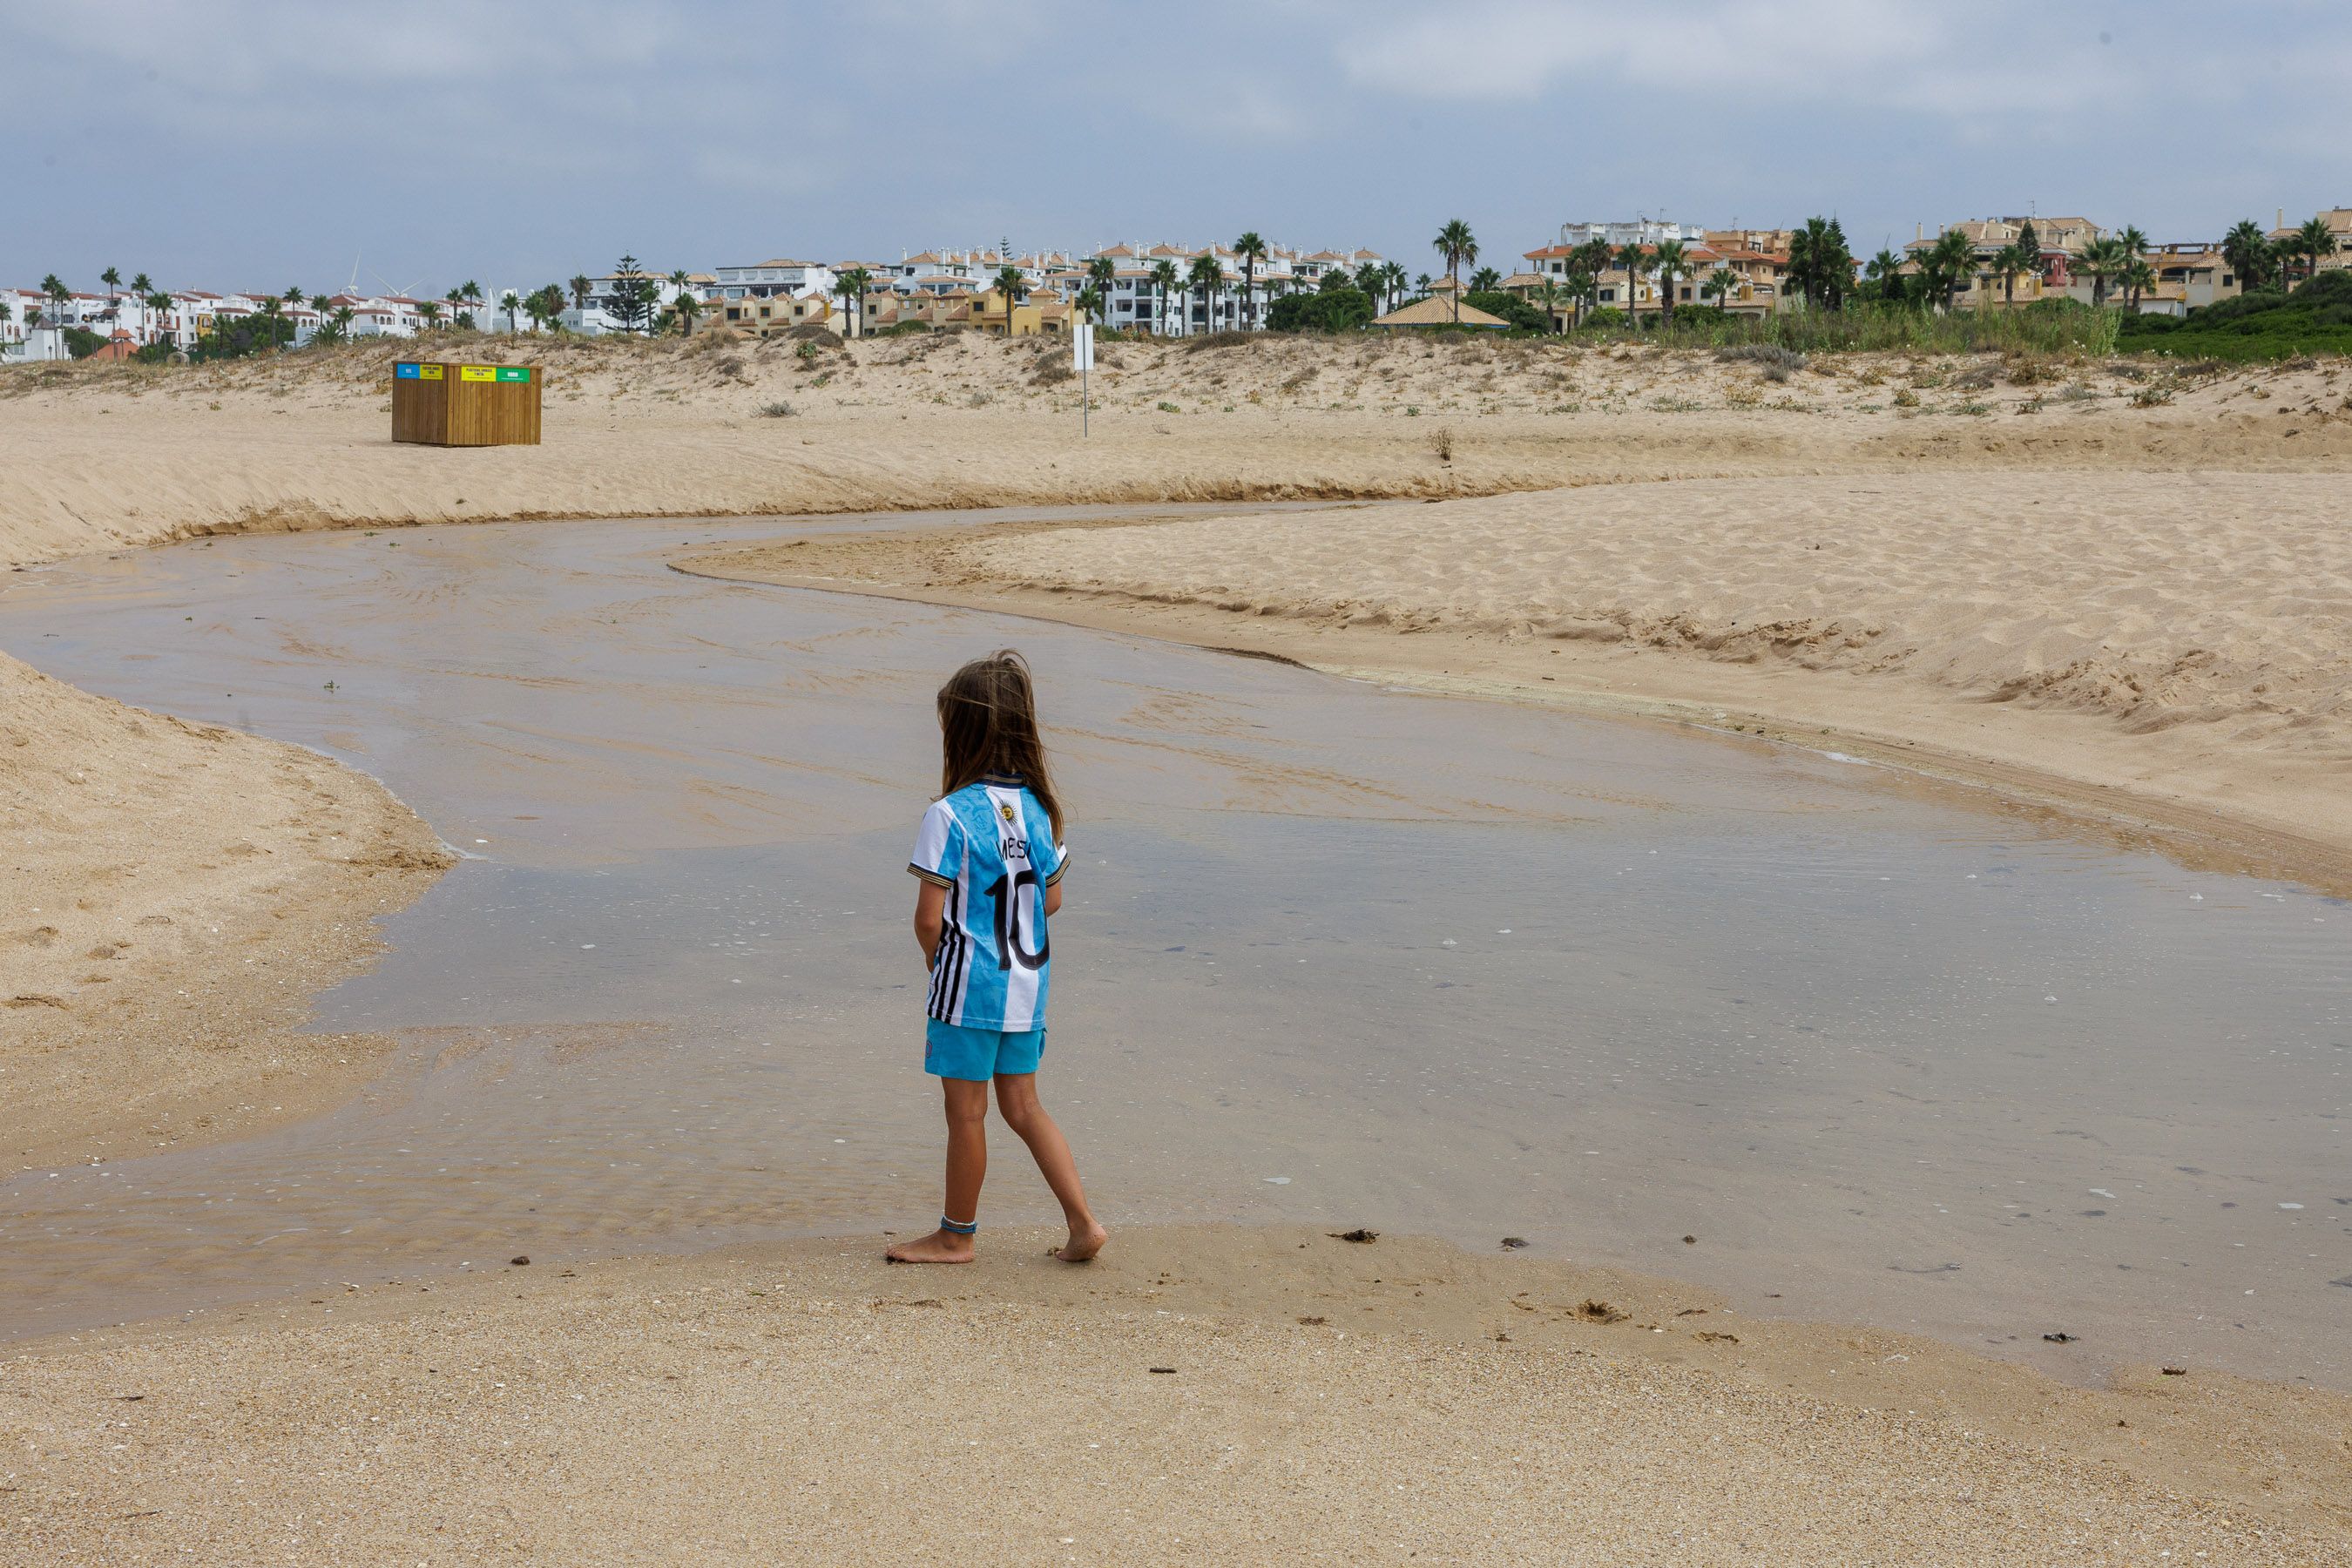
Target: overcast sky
x: 254, y: 143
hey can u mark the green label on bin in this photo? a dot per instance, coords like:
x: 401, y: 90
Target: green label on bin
x: 514, y: 373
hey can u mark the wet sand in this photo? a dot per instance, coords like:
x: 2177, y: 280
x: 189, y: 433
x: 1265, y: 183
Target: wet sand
x: 1456, y: 968
x: 1214, y: 1395
x: 2162, y: 651
x: 176, y: 894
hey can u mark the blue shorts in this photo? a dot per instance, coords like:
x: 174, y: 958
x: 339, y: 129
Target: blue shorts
x: 950, y: 1050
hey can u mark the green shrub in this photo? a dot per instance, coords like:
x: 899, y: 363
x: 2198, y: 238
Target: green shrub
x: 2265, y: 325
x: 2049, y: 326
x: 1327, y: 310
x: 1510, y: 307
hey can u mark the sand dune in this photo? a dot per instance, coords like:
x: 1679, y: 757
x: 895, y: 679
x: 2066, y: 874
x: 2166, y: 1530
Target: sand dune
x: 104, y: 455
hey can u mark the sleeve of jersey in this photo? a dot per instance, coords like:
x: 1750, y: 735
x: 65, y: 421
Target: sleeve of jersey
x: 1051, y: 864
x: 934, y: 847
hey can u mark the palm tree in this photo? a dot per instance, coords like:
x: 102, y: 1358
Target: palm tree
x: 1369, y: 278
x: 429, y: 313
x: 1671, y: 260
x: 1723, y: 283
x: 2247, y: 252
x: 1013, y: 285
x: 2314, y: 240
x: 2103, y: 258
x: 54, y: 287
x: 1635, y: 261
x: 1820, y: 268
x: 1884, y: 277
x: 1584, y: 287
x: 1484, y: 281
x: 863, y: 280
x: 2138, y: 277
x: 1548, y: 296
x: 2008, y: 262
x: 1393, y: 278
x: 2134, y: 246
x: 158, y: 306
x: 580, y: 285
x: 1209, y: 278
x: 1948, y: 264
x: 1251, y: 251
x: 1457, y: 245
x: 470, y: 292
x: 545, y: 307
x: 1164, y: 281
x: 1102, y: 273
x: 112, y: 278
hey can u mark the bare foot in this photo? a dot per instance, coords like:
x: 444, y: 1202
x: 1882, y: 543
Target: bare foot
x: 1083, y: 1244
x: 939, y: 1246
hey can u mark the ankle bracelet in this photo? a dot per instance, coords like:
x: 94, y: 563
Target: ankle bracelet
x: 947, y: 1224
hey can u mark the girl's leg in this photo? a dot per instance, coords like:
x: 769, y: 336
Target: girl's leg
x: 1016, y: 1097
x: 967, y: 1108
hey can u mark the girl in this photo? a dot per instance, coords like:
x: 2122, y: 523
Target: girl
x: 989, y: 858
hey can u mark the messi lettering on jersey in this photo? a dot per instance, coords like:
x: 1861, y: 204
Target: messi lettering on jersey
x: 991, y: 846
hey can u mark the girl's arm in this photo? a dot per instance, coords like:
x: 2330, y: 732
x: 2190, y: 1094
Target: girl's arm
x: 1053, y: 900
x: 931, y: 918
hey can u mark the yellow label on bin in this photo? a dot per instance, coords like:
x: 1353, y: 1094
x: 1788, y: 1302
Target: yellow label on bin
x: 477, y: 372
x: 428, y: 373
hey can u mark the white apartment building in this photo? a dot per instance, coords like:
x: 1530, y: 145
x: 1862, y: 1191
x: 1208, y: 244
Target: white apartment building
x: 764, y: 279
x: 597, y: 318
x: 1633, y: 231
x: 1135, y: 300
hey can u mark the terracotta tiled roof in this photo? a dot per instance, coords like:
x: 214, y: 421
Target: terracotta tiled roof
x: 1436, y: 312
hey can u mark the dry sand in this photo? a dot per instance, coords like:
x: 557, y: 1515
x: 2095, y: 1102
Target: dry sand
x: 106, y: 455
x: 1325, y: 1402
x: 174, y: 894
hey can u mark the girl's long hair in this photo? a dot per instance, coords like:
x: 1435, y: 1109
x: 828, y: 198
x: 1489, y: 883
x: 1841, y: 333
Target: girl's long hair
x: 988, y: 725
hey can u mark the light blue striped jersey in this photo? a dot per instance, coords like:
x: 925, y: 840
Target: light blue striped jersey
x: 991, y: 846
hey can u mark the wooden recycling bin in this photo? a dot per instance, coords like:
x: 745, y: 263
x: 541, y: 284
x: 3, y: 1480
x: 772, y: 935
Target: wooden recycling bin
x: 447, y: 405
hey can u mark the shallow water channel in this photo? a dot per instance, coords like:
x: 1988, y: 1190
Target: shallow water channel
x: 1330, y: 950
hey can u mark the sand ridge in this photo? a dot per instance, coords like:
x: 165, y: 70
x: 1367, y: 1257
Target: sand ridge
x: 176, y: 891
x: 2155, y: 646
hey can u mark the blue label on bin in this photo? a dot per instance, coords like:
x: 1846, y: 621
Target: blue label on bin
x: 405, y: 370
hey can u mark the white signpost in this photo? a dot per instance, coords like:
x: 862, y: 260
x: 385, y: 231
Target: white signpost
x: 1082, y: 359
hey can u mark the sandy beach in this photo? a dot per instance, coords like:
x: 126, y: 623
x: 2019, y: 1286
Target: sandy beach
x: 2112, y: 590
x: 1198, y: 1396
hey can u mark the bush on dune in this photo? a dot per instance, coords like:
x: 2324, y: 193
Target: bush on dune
x: 2266, y: 325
